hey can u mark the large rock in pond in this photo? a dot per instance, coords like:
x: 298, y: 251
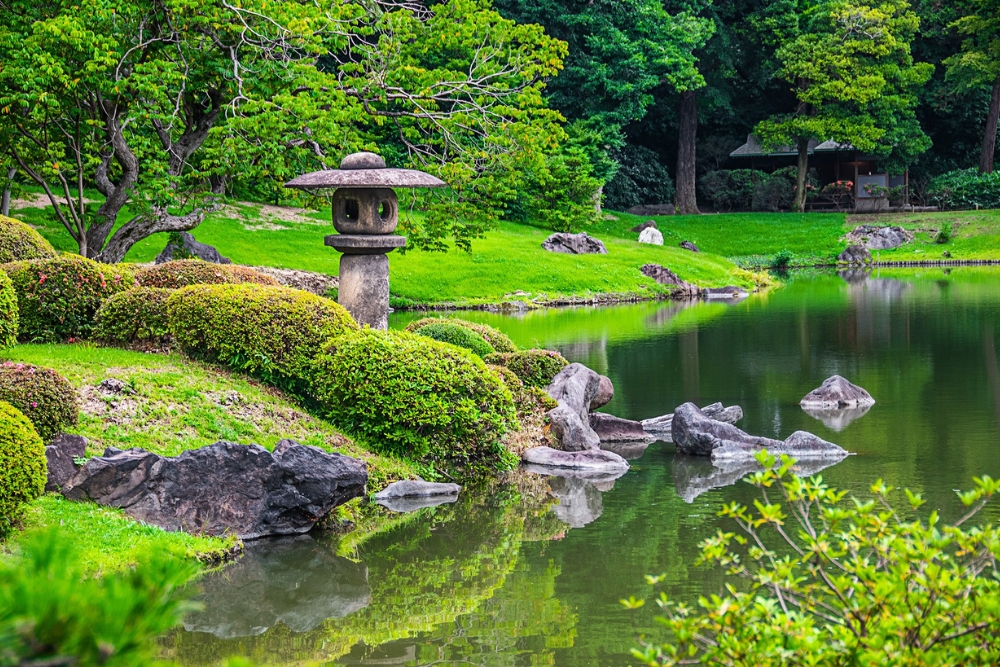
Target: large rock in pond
x: 413, y: 494
x: 837, y: 393
x: 615, y: 429
x: 594, y: 460
x: 605, y: 392
x: 224, y: 488
x: 574, y: 388
x: 855, y: 255
x: 574, y: 244
x: 184, y: 246
x: 662, y: 426
x: 652, y: 236
x: 60, y: 455
x: 879, y: 238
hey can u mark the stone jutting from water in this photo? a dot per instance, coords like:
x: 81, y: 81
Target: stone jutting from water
x: 224, y: 488
x: 836, y: 393
x: 662, y: 425
x: 615, y: 429
x: 592, y: 460
x: 574, y: 244
x: 574, y: 388
x: 413, y: 494
x: 605, y: 392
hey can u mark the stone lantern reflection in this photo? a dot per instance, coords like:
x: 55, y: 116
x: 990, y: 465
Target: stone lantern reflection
x: 365, y: 215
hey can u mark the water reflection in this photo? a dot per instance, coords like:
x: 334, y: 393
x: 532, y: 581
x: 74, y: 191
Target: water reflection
x: 837, y: 419
x: 578, y: 493
x: 695, y: 475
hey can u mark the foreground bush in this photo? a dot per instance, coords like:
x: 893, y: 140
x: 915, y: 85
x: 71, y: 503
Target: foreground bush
x: 54, y: 613
x: 18, y: 241
x: 453, y: 334
x: 965, y: 189
x: 832, y: 580
x: 22, y: 469
x: 8, y: 312
x: 270, y: 332
x: 535, y: 368
x: 184, y: 272
x: 497, y: 339
x: 731, y: 189
x: 46, y: 398
x: 58, y: 298
x: 134, y: 318
x: 416, y: 398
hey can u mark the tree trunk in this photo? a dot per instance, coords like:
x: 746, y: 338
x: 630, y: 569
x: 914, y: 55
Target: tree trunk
x: 686, y: 199
x: 800, y: 179
x: 5, y: 197
x: 139, y: 228
x: 990, y: 137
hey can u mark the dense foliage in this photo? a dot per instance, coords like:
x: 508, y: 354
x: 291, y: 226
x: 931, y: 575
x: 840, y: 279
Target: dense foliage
x: 137, y: 317
x: 270, y: 332
x: 841, y: 581
x: 454, y: 334
x: 53, y: 613
x: 8, y: 312
x: 58, y: 298
x: 46, y: 398
x: 416, y: 398
x: 22, y: 468
x: 497, y: 339
x: 536, y: 368
x: 19, y: 241
x: 183, y: 272
x: 968, y: 188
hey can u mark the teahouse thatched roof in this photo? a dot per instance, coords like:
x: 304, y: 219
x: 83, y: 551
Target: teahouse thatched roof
x: 753, y: 148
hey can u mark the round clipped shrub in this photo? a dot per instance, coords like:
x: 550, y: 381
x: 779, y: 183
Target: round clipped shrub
x: 270, y: 332
x: 8, y: 312
x: 183, y: 272
x: 22, y: 466
x: 446, y: 332
x: 536, y: 368
x: 18, y: 241
x: 58, y: 298
x: 497, y: 339
x: 135, y: 318
x: 44, y: 396
x: 416, y: 398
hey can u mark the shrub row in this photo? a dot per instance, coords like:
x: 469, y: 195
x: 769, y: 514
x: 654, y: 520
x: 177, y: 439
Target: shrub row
x: 965, y: 189
x: 22, y: 466
x: 535, y: 368
x: 750, y: 189
x: 45, y: 397
x: 184, y: 272
x: 18, y: 242
x: 134, y: 318
x: 497, y: 339
x: 8, y: 312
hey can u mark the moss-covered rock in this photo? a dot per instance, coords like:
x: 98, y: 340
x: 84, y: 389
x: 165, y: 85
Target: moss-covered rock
x: 8, y: 312
x: 18, y: 242
x: 136, y: 318
x: 416, y: 398
x: 58, y: 298
x: 497, y: 339
x: 270, y: 332
x: 446, y: 332
x: 22, y: 466
x: 183, y: 272
x: 45, y: 397
x: 536, y: 368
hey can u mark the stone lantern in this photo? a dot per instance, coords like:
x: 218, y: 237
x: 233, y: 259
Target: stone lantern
x: 365, y: 213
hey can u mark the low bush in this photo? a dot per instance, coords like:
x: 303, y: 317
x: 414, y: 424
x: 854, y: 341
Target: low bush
x: 8, y: 312
x: 497, y: 339
x: 731, y: 189
x: 640, y: 179
x: 58, y: 298
x: 22, y: 468
x: 183, y: 272
x: 45, y: 397
x: 457, y: 335
x: 535, y: 368
x: 270, y: 332
x: 18, y: 242
x: 416, y: 398
x: 777, y: 191
x: 134, y: 318
x: 965, y: 189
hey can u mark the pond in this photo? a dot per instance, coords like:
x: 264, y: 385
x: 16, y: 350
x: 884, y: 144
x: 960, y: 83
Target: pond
x: 506, y: 576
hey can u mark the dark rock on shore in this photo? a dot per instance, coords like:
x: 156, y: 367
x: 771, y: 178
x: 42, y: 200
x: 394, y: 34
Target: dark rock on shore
x: 574, y: 388
x: 837, y: 393
x: 615, y: 429
x: 687, y: 245
x: 645, y: 225
x: 855, y: 254
x: 413, y: 494
x: 184, y: 246
x: 574, y: 244
x: 224, y: 488
x: 60, y: 454
x: 594, y: 460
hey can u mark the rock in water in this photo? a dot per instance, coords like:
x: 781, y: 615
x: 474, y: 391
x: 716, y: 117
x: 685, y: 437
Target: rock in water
x: 60, y: 455
x: 574, y: 244
x: 224, y: 488
x: 661, y: 426
x: 835, y: 393
x: 605, y: 392
x: 651, y: 236
x: 645, y: 225
x: 574, y: 388
x: 879, y: 238
x: 687, y: 245
x: 186, y: 247
x: 594, y: 460
x: 615, y: 429
x: 413, y: 494
x: 855, y: 254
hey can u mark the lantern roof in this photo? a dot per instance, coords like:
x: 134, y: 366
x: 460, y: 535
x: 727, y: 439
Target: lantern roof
x: 364, y: 170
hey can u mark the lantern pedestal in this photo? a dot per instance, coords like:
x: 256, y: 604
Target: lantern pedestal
x: 364, y: 275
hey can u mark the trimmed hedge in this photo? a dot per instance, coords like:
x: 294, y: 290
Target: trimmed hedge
x: 19, y: 242
x: 44, y: 396
x: 8, y: 312
x: 453, y: 334
x: 183, y: 272
x: 58, y: 298
x: 134, y: 318
x: 416, y: 398
x: 270, y: 332
x: 965, y: 189
x: 536, y: 368
x: 23, y: 468
x: 496, y: 338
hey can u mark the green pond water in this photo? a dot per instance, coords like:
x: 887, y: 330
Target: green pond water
x: 509, y: 576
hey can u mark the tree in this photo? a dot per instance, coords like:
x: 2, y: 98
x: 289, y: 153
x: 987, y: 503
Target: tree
x: 855, y: 82
x: 978, y: 65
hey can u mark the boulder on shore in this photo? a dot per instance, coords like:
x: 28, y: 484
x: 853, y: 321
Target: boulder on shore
x: 879, y: 238
x: 574, y: 244
x: 651, y: 235
x: 687, y: 245
x: 615, y: 429
x: 184, y: 246
x: 855, y: 254
x: 594, y: 460
x: 837, y: 393
x: 224, y: 488
x: 574, y: 388
x: 60, y: 455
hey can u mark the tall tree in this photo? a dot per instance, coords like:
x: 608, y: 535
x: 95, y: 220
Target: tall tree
x: 978, y: 65
x: 855, y: 82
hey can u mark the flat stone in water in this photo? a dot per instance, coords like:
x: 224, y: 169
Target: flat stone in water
x: 593, y: 460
